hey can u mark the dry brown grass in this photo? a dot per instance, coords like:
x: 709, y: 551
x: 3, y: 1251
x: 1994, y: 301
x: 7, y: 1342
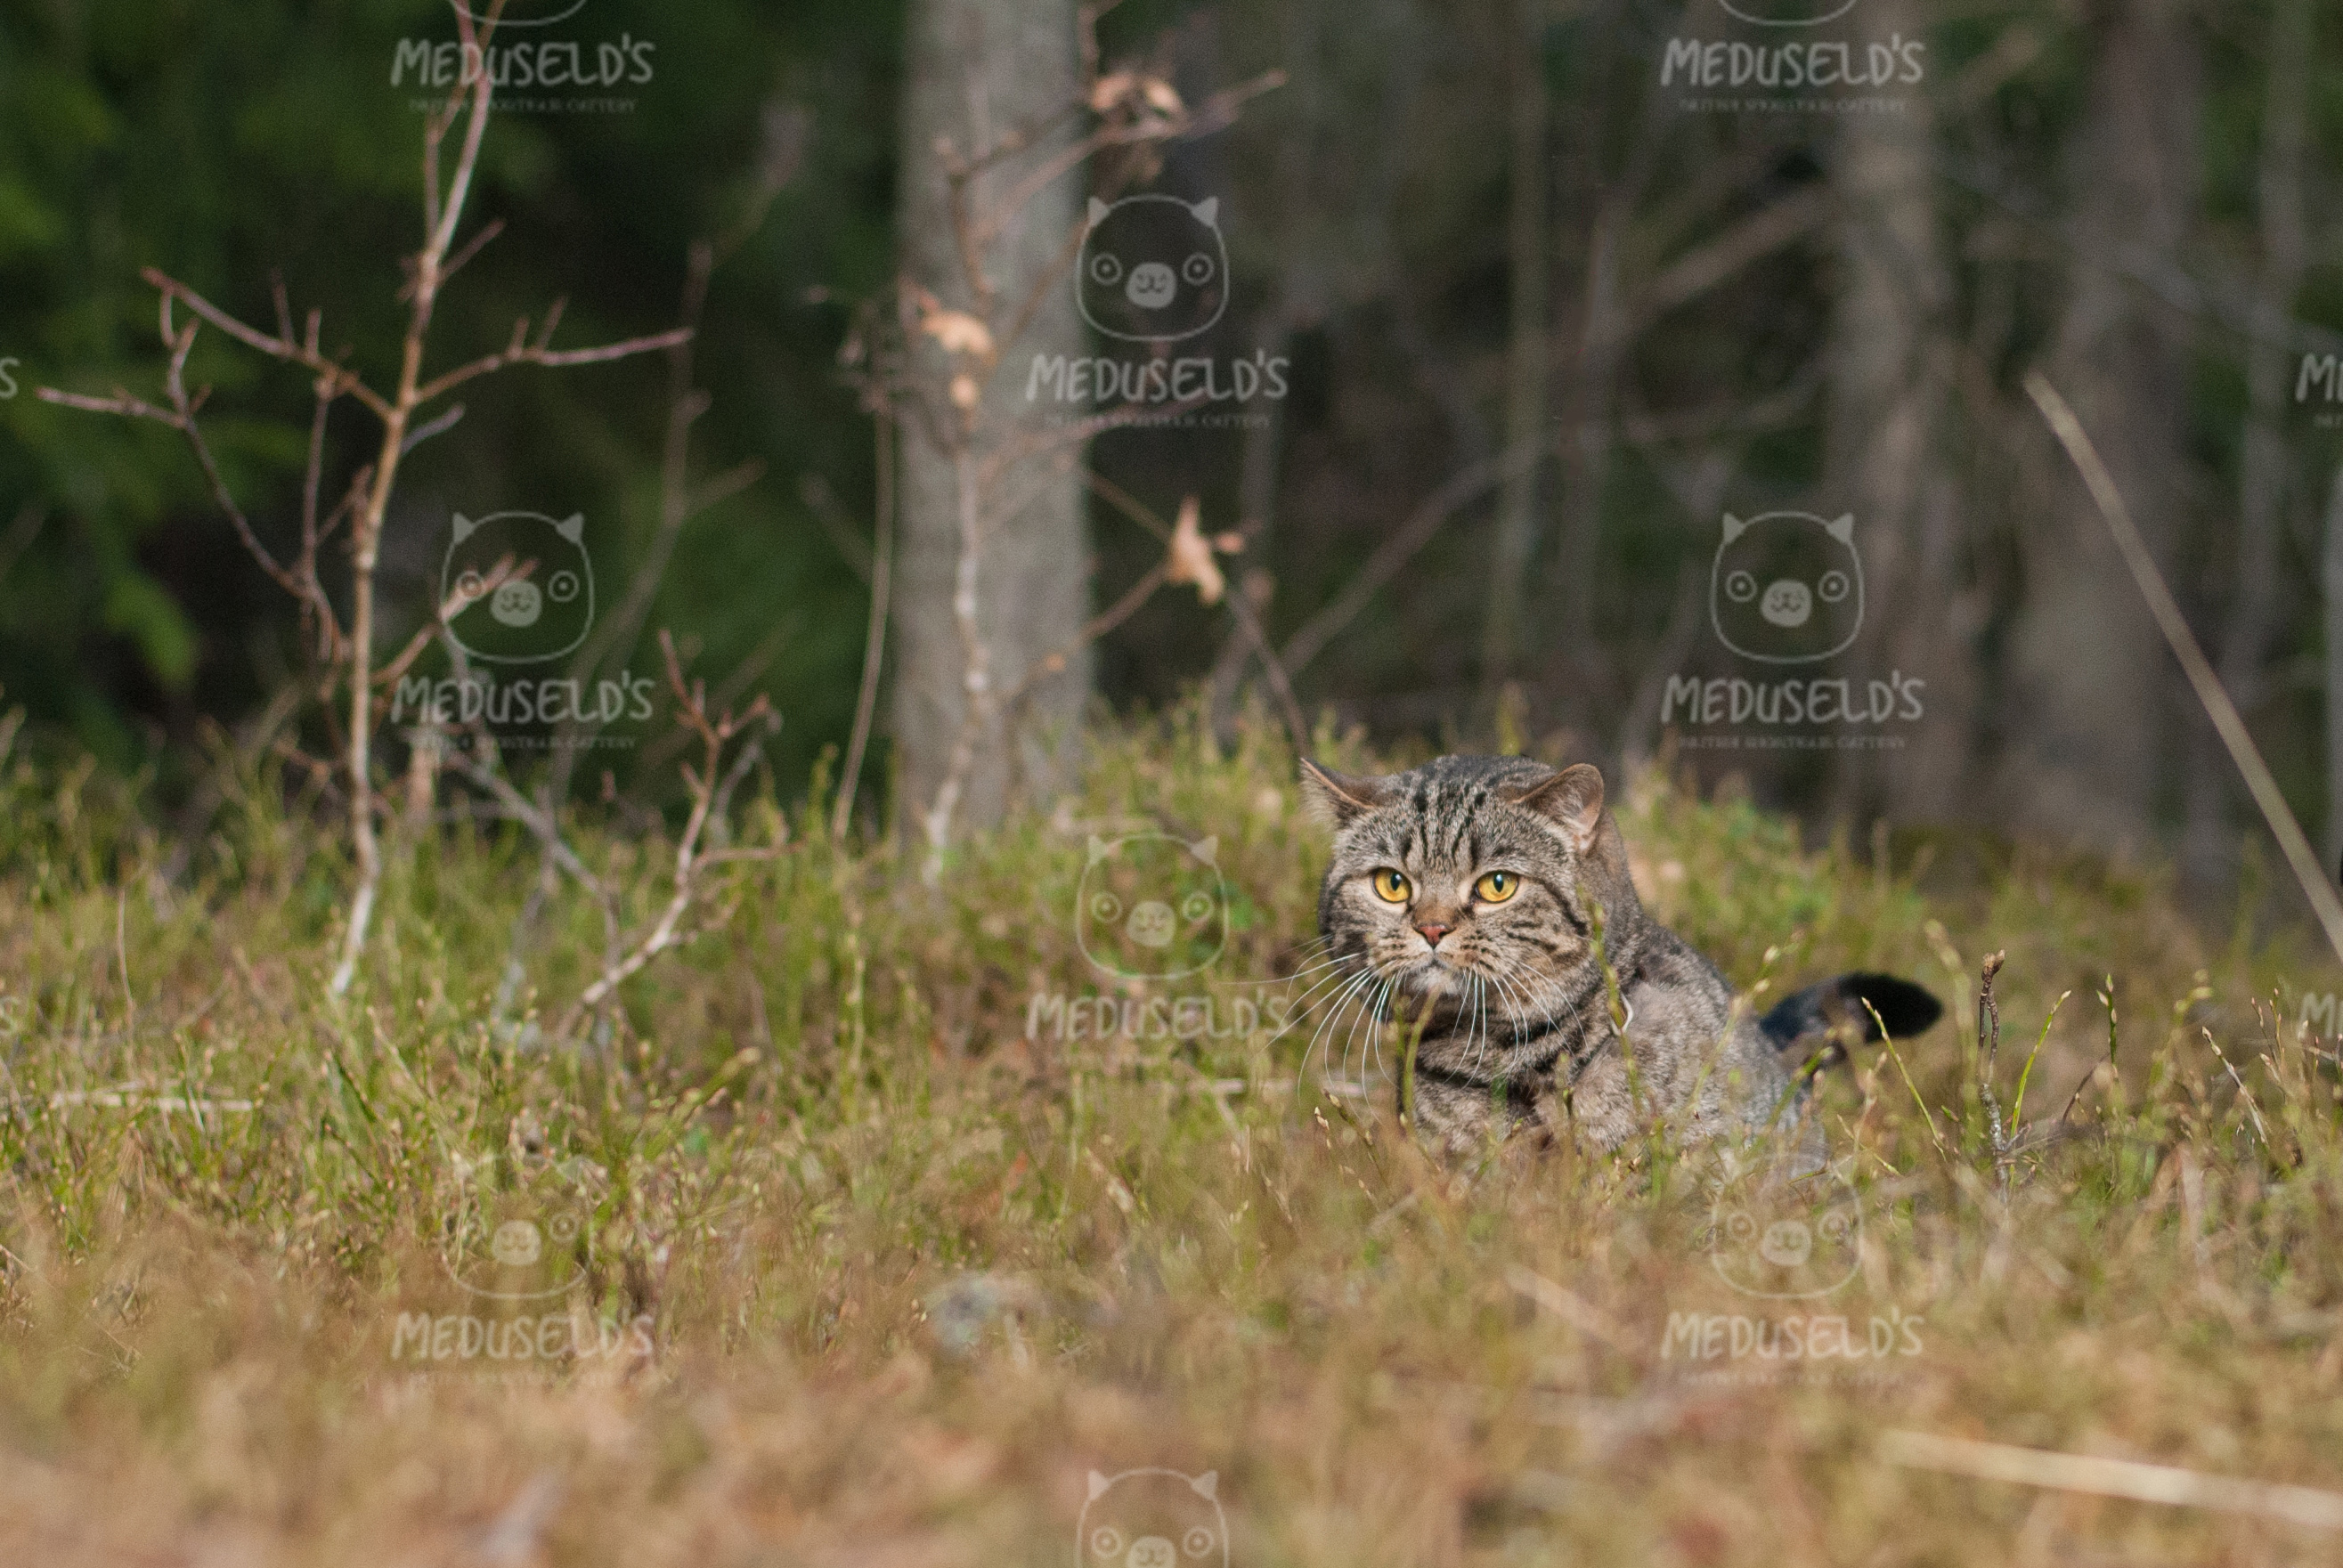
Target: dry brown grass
x: 908, y: 1277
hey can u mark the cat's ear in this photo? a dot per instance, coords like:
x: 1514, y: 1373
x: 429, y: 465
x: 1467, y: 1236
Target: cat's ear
x: 1098, y: 848
x: 1572, y: 799
x: 1098, y: 210
x: 1207, y: 1485
x: 1734, y: 527
x: 1336, y: 798
x: 1205, y: 849
x: 464, y: 526
x: 572, y: 527
x: 1208, y: 212
x: 1098, y: 1483
x: 1840, y: 528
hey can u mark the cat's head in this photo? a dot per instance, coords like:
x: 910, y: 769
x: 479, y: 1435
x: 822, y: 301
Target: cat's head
x: 1152, y: 1519
x: 1152, y: 268
x: 1498, y: 868
x: 1786, y: 588
x: 1151, y: 906
x: 524, y: 618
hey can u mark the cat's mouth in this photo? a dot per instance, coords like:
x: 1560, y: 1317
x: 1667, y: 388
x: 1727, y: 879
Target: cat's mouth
x: 1429, y: 973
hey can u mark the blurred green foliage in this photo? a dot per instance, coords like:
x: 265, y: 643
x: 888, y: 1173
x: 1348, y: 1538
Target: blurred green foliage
x: 224, y: 144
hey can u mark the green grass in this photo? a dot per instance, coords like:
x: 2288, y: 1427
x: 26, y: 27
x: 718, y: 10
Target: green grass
x: 882, y: 1280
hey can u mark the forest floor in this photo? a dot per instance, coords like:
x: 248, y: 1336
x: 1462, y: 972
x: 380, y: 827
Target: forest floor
x: 849, y: 1240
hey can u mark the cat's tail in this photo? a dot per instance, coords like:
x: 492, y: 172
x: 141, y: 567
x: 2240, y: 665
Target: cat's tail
x: 1820, y: 1022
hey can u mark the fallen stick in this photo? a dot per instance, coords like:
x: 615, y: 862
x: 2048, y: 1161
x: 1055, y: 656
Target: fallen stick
x: 1566, y: 1305
x: 2165, y: 1484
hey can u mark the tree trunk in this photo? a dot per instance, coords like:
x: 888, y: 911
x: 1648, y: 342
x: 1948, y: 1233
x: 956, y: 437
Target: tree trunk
x: 977, y: 70
x: 2210, y: 850
x: 2091, y: 685
x: 1885, y: 454
x: 1515, y: 539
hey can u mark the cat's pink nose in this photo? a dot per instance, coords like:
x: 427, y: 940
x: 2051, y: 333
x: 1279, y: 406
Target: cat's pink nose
x: 1434, y: 933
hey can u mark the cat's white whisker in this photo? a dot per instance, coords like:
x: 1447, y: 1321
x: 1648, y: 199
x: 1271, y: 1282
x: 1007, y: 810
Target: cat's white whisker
x: 1334, y: 1012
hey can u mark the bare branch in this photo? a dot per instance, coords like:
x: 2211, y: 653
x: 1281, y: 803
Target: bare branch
x: 430, y: 427
x: 520, y: 352
x: 339, y: 378
x: 503, y: 571
x: 1466, y: 484
x: 709, y: 800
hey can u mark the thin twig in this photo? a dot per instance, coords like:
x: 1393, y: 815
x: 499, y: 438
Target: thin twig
x: 1461, y: 487
x: 874, y: 638
x: 2266, y: 795
x: 709, y: 799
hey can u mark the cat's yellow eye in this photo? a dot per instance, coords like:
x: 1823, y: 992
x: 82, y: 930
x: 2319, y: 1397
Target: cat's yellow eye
x: 1496, y: 887
x: 1391, y: 887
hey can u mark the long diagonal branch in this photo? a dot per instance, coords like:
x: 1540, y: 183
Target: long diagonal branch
x: 2234, y: 735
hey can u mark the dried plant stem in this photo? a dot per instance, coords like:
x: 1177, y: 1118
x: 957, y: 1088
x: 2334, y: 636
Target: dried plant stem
x: 349, y: 657
x: 874, y: 640
x: 366, y: 544
x: 711, y: 802
x: 2174, y: 626
x: 2101, y: 1477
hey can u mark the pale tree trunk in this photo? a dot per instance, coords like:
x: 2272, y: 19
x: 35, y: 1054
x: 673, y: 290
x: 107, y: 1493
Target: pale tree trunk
x: 2210, y: 852
x: 976, y: 70
x: 1884, y: 458
x: 1515, y: 536
x: 2090, y: 686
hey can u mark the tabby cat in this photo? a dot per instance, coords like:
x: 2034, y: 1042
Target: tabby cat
x: 1481, y: 898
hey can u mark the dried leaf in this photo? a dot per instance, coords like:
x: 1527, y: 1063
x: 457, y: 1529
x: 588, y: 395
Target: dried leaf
x: 1110, y: 90
x: 959, y: 332
x: 1159, y: 93
x: 1190, y: 556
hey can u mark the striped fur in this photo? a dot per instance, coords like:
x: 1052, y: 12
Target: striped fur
x: 1517, y: 1025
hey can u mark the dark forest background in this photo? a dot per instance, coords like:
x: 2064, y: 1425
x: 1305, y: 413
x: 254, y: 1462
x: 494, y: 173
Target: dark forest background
x: 1537, y: 310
